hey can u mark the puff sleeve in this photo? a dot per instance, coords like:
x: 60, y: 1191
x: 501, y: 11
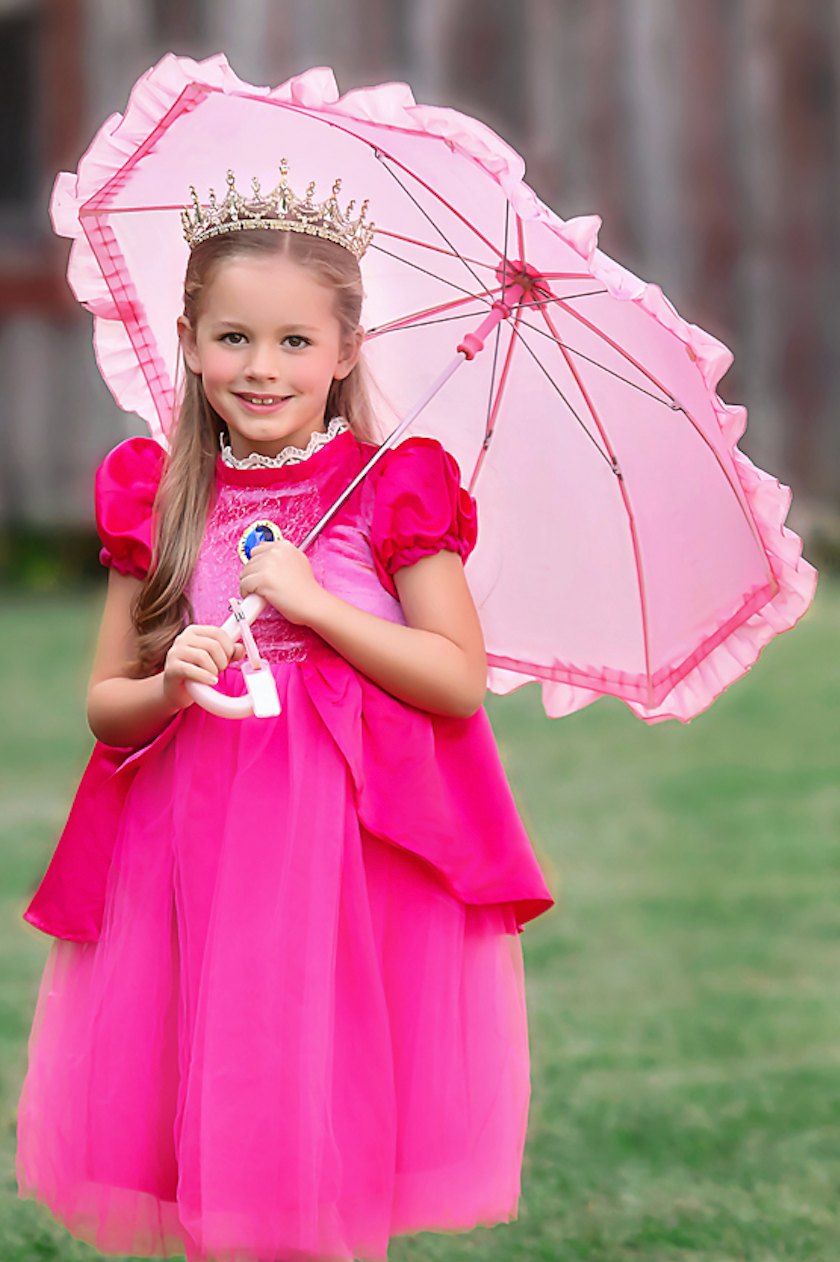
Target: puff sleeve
x: 126, y: 485
x: 420, y: 508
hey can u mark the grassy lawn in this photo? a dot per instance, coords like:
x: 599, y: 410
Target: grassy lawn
x: 684, y: 998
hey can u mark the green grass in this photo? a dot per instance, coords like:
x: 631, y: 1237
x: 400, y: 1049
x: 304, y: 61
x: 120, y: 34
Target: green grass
x: 684, y: 997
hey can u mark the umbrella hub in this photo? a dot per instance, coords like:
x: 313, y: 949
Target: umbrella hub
x: 517, y: 274
x: 521, y: 285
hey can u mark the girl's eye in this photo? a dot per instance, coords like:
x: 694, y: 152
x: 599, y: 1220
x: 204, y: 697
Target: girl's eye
x: 233, y: 339
x: 294, y: 341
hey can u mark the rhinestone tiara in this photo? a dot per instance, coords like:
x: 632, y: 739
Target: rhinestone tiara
x: 280, y: 209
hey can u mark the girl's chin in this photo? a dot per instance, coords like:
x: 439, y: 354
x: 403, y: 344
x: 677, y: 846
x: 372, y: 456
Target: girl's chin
x: 259, y: 443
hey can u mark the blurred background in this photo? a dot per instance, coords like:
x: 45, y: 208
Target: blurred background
x: 684, y: 998
x: 704, y: 132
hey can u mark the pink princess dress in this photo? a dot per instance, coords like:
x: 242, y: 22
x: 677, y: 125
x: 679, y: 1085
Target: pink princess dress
x: 285, y: 1017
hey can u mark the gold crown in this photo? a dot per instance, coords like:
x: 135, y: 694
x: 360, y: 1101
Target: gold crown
x: 280, y: 209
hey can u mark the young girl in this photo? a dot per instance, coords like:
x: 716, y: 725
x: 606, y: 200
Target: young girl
x: 285, y: 1019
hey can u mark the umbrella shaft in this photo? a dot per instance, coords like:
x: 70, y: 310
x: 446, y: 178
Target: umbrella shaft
x: 501, y: 309
x: 389, y: 442
x: 471, y: 345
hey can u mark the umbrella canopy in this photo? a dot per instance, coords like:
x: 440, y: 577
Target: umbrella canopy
x: 626, y: 545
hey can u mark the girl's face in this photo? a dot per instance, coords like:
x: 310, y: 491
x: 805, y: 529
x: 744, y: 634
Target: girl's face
x: 267, y: 346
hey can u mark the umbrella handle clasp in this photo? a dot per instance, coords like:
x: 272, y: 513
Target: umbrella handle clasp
x: 260, y: 698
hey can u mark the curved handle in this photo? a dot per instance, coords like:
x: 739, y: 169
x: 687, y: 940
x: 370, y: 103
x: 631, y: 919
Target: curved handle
x: 217, y: 702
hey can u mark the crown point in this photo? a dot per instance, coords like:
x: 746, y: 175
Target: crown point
x: 280, y: 209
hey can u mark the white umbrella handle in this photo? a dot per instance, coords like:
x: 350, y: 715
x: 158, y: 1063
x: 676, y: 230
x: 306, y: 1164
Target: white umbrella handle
x: 217, y: 702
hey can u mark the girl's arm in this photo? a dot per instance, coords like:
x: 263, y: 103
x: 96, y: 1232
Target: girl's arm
x: 436, y: 662
x: 129, y: 712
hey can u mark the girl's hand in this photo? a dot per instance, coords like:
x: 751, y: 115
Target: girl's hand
x: 282, y: 575
x: 199, y: 653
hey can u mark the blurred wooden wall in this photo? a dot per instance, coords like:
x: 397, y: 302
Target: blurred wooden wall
x: 704, y: 132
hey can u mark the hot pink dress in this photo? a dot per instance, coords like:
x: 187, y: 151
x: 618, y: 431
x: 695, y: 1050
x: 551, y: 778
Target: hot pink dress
x: 285, y: 1018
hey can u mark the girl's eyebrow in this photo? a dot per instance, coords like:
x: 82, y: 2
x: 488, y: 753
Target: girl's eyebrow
x: 224, y: 323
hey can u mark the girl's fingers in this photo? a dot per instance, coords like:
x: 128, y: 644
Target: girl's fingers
x: 184, y: 664
x: 195, y: 674
x: 217, y: 653
x: 212, y: 640
x: 197, y: 657
x: 216, y: 634
x: 206, y: 654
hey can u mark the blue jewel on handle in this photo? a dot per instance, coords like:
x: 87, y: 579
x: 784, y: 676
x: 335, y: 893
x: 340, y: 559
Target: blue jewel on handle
x: 258, y: 532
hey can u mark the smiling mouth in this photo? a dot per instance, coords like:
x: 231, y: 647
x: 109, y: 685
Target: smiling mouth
x: 263, y: 400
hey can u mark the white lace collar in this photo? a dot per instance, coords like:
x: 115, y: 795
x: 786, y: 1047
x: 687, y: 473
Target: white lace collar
x: 289, y: 455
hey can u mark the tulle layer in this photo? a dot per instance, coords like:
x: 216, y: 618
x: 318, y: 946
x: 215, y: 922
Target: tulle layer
x: 277, y: 1049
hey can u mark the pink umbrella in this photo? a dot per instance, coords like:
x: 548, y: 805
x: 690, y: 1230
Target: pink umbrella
x: 626, y: 545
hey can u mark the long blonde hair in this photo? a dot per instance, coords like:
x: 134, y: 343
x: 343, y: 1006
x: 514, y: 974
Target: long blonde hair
x: 183, y: 501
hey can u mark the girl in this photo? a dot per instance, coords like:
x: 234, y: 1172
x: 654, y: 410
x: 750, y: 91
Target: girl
x: 286, y: 1018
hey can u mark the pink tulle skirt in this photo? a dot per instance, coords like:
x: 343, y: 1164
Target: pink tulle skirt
x: 290, y: 1042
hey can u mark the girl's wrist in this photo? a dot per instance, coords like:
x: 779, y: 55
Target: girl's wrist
x: 311, y: 607
x: 174, y: 694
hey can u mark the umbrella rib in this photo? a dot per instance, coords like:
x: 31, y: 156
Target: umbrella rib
x: 567, y: 276
x: 493, y: 408
x: 748, y: 517
x: 411, y: 323
x: 546, y: 302
x: 414, y: 320
x: 505, y: 242
x: 436, y: 249
x: 625, y: 354
x: 669, y: 402
x: 408, y: 263
x: 89, y: 212
x: 628, y: 507
x: 677, y: 407
x: 604, y: 456
x: 381, y: 156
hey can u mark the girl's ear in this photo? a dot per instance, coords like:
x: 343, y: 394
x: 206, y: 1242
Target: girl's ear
x: 350, y: 354
x: 186, y: 336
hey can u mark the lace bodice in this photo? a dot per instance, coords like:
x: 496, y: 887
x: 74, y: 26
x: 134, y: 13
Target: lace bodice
x: 341, y: 559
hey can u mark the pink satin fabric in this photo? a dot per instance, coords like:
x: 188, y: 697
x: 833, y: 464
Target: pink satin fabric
x: 126, y: 485
x: 302, y: 1028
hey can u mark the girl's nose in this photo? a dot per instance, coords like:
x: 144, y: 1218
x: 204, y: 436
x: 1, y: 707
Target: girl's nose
x: 263, y: 362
